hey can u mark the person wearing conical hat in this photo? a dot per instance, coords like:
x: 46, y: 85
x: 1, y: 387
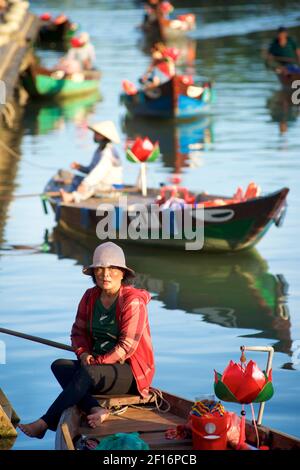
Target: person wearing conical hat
x: 105, y: 169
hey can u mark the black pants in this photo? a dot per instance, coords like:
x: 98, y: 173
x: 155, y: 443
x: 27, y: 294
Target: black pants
x: 79, y: 382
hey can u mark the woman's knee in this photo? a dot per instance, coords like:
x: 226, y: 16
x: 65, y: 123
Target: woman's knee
x: 60, y: 364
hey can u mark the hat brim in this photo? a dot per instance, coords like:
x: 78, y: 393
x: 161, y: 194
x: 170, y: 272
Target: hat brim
x: 113, y: 138
x: 89, y: 270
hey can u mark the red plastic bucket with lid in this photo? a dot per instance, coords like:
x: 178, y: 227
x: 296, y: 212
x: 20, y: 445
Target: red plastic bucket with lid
x: 209, y: 432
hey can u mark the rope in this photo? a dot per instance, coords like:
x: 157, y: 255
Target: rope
x: 16, y: 155
x: 159, y: 400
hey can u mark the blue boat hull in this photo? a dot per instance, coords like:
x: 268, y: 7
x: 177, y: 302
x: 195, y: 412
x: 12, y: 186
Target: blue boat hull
x: 165, y: 102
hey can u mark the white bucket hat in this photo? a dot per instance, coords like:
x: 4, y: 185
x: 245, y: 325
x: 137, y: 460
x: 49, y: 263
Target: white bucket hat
x: 107, y: 129
x: 108, y: 254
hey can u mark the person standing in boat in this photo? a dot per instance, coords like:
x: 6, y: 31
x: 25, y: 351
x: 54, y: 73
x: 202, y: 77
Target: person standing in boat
x: 283, y: 49
x: 112, y: 341
x: 105, y: 169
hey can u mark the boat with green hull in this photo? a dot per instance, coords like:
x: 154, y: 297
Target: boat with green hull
x: 40, y: 82
x: 231, y: 227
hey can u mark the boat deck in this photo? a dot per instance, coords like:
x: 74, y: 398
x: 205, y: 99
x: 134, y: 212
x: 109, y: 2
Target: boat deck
x: 149, y: 423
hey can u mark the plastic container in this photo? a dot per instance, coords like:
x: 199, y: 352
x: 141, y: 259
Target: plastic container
x: 209, y: 432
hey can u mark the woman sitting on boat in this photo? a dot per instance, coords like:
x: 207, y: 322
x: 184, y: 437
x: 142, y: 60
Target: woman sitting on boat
x: 105, y: 169
x: 111, y: 338
x: 80, y: 57
x: 284, y: 49
x: 160, y: 71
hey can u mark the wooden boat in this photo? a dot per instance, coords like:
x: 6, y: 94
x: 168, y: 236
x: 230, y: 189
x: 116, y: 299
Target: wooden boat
x: 44, y: 83
x: 52, y: 33
x: 232, y: 227
x: 173, y: 99
x: 176, y: 27
x: 151, y: 424
x: 164, y: 29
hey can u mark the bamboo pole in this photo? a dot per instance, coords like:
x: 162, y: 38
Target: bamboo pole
x: 270, y: 352
x: 36, y: 339
x: 143, y: 179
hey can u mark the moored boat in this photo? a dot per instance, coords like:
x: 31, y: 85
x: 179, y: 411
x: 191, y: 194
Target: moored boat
x: 152, y: 424
x: 44, y: 83
x: 177, y: 98
x: 178, y: 27
x: 164, y: 28
x: 231, y: 227
x: 56, y: 30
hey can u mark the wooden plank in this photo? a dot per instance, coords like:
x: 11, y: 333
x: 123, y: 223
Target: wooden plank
x: 134, y: 420
x: 109, y: 401
x: 67, y: 436
x: 158, y: 441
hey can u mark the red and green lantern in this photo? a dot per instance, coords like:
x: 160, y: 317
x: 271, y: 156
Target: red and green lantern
x: 143, y: 151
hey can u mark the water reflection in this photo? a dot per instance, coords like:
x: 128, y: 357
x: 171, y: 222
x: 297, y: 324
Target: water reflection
x: 282, y: 110
x: 43, y: 117
x: 10, y: 140
x: 231, y: 291
x: 182, y: 145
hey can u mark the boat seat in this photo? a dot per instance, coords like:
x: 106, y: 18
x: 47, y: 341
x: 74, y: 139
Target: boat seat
x: 111, y: 401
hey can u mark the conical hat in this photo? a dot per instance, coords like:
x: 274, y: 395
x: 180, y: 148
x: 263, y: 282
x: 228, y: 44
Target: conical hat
x: 107, y: 129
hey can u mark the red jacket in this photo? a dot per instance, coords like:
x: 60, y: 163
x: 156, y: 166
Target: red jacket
x: 134, y: 344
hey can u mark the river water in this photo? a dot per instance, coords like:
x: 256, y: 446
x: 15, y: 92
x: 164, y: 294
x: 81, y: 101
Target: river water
x: 204, y: 307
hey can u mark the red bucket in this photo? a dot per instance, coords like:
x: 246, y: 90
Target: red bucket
x: 209, y: 432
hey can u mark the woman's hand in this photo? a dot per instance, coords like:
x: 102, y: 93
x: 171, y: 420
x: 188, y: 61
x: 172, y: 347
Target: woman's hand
x: 87, y: 359
x: 75, y: 165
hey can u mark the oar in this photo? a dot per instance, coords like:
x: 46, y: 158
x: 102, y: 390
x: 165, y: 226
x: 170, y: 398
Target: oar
x: 21, y: 196
x: 37, y: 339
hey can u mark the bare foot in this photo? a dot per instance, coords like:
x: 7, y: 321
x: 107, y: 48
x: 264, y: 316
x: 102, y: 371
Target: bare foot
x: 97, y: 416
x: 36, y: 429
x: 66, y: 197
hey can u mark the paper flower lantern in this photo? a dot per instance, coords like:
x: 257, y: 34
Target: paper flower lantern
x: 166, y: 7
x: 129, y: 88
x: 45, y: 16
x: 141, y: 151
x: 60, y: 19
x: 243, y: 384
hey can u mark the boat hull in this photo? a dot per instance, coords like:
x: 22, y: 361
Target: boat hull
x: 229, y: 228
x: 43, y: 83
x: 169, y: 100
